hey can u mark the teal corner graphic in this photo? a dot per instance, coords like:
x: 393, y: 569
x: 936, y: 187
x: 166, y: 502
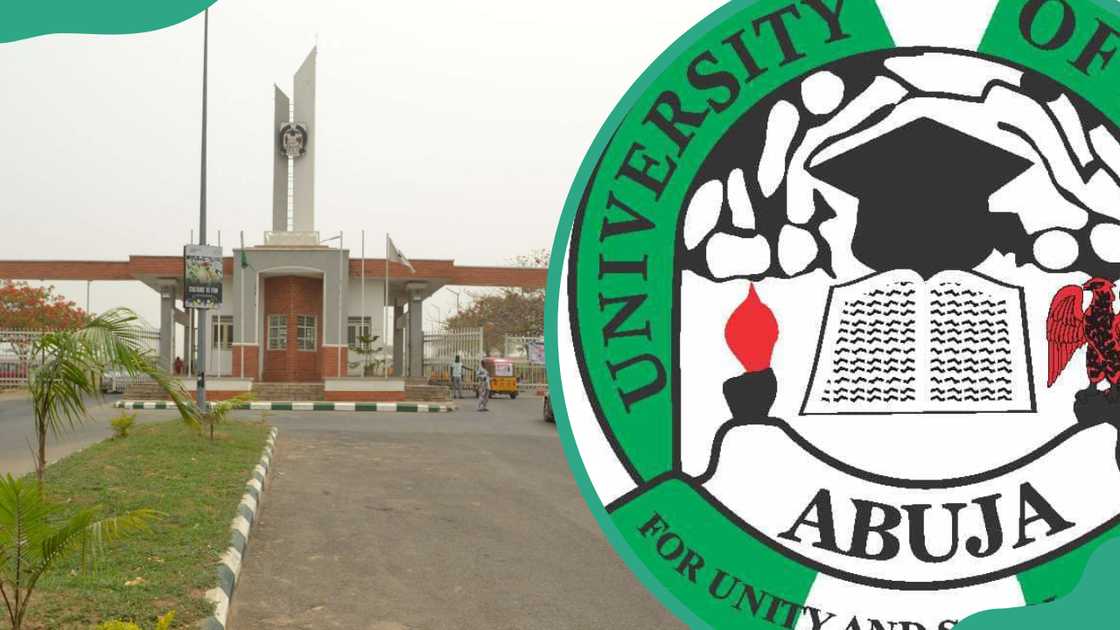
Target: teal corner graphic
x: 21, y: 19
x: 1090, y: 605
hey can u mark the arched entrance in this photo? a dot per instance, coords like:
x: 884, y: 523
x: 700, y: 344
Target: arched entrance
x: 293, y: 329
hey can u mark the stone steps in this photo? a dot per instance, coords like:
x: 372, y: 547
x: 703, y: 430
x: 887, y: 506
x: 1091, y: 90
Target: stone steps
x: 145, y: 391
x: 426, y: 393
x: 289, y: 391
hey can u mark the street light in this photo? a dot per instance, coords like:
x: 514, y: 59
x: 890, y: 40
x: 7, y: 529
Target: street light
x: 440, y: 321
x: 457, y: 295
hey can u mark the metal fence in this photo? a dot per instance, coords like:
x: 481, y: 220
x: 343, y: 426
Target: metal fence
x: 17, y: 364
x: 443, y: 347
x: 15, y: 357
x: 440, y: 349
x: 529, y: 374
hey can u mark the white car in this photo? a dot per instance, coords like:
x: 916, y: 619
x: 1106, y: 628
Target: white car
x: 114, y: 382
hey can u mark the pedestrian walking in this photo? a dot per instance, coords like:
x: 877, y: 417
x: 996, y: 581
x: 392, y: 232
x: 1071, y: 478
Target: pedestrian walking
x: 482, y: 377
x: 456, y: 370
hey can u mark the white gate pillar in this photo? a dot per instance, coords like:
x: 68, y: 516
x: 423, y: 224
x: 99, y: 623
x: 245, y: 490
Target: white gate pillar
x: 416, y: 329
x: 167, y: 328
x: 398, y: 339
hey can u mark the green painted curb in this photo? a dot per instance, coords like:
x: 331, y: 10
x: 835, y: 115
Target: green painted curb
x: 343, y: 407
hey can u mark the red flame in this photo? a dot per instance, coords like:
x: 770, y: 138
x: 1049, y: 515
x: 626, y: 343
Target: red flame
x: 752, y: 333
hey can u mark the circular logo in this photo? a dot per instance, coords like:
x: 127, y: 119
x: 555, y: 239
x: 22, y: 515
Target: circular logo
x: 836, y: 341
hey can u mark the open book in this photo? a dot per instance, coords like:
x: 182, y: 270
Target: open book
x: 895, y: 343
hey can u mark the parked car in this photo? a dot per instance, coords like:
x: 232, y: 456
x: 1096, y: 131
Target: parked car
x: 548, y: 415
x: 114, y: 382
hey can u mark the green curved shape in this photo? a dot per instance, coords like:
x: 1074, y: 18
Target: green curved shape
x: 21, y: 19
x: 1091, y: 605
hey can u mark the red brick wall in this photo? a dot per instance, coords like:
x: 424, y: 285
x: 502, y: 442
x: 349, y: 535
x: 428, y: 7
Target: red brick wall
x: 293, y: 296
x: 171, y: 267
x: 331, y: 362
x: 65, y: 270
x: 252, y: 353
x: 499, y: 277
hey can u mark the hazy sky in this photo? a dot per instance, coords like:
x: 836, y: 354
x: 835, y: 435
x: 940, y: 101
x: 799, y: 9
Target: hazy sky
x: 456, y: 127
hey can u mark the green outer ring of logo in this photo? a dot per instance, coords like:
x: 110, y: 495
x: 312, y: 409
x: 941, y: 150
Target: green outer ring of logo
x: 557, y: 282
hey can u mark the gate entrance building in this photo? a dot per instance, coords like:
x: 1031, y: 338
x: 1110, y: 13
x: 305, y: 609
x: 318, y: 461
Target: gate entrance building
x: 295, y: 310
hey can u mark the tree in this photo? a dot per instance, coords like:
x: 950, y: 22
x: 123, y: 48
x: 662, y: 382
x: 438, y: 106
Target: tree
x: 33, y: 538
x: 508, y: 312
x: 36, y: 308
x: 23, y: 307
x: 68, y: 365
x: 373, y: 357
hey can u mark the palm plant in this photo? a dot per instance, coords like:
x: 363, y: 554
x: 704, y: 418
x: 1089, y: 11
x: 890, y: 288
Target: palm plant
x: 69, y: 364
x: 33, y: 539
x: 220, y: 410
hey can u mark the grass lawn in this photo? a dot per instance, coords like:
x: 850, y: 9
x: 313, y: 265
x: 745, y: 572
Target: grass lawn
x: 165, y: 467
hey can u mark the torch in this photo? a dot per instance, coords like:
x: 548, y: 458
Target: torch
x: 751, y: 334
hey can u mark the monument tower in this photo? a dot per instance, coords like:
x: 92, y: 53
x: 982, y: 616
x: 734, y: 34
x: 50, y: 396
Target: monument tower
x: 293, y: 178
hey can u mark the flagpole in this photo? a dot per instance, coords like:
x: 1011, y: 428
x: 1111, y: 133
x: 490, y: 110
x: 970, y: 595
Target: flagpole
x: 362, y: 326
x: 200, y: 392
x: 384, y: 319
x: 241, y: 322
x: 338, y: 350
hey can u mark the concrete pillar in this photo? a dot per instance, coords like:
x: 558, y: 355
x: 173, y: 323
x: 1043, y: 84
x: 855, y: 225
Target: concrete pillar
x: 188, y: 359
x: 186, y: 353
x: 398, y: 339
x: 415, y: 336
x: 167, y: 328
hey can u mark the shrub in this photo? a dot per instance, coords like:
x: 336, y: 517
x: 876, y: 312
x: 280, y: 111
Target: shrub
x: 122, y: 424
x: 163, y: 623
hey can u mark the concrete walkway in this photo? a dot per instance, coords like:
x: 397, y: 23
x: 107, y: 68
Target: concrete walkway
x: 458, y: 521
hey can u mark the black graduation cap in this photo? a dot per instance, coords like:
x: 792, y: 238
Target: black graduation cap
x: 923, y: 191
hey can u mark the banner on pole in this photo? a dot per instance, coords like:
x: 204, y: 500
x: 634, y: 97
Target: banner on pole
x: 535, y: 350
x: 202, y: 276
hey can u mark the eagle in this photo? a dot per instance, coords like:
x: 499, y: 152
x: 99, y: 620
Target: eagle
x: 1068, y: 327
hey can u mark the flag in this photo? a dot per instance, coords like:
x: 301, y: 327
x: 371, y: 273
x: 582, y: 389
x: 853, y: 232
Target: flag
x: 396, y: 255
x: 23, y: 19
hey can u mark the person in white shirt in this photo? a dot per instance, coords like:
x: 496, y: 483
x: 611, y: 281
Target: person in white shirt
x: 482, y: 377
x: 456, y: 370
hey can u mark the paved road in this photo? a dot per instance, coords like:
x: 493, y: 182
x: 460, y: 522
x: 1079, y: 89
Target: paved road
x: 426, y: 522
x: 17, y: 430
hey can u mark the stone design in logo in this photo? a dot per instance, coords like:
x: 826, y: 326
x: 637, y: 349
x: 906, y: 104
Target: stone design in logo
x: 822, y: 297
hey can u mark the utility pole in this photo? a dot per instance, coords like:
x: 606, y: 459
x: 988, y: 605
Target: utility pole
x: 457, y: 295
x: 202, y: 313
